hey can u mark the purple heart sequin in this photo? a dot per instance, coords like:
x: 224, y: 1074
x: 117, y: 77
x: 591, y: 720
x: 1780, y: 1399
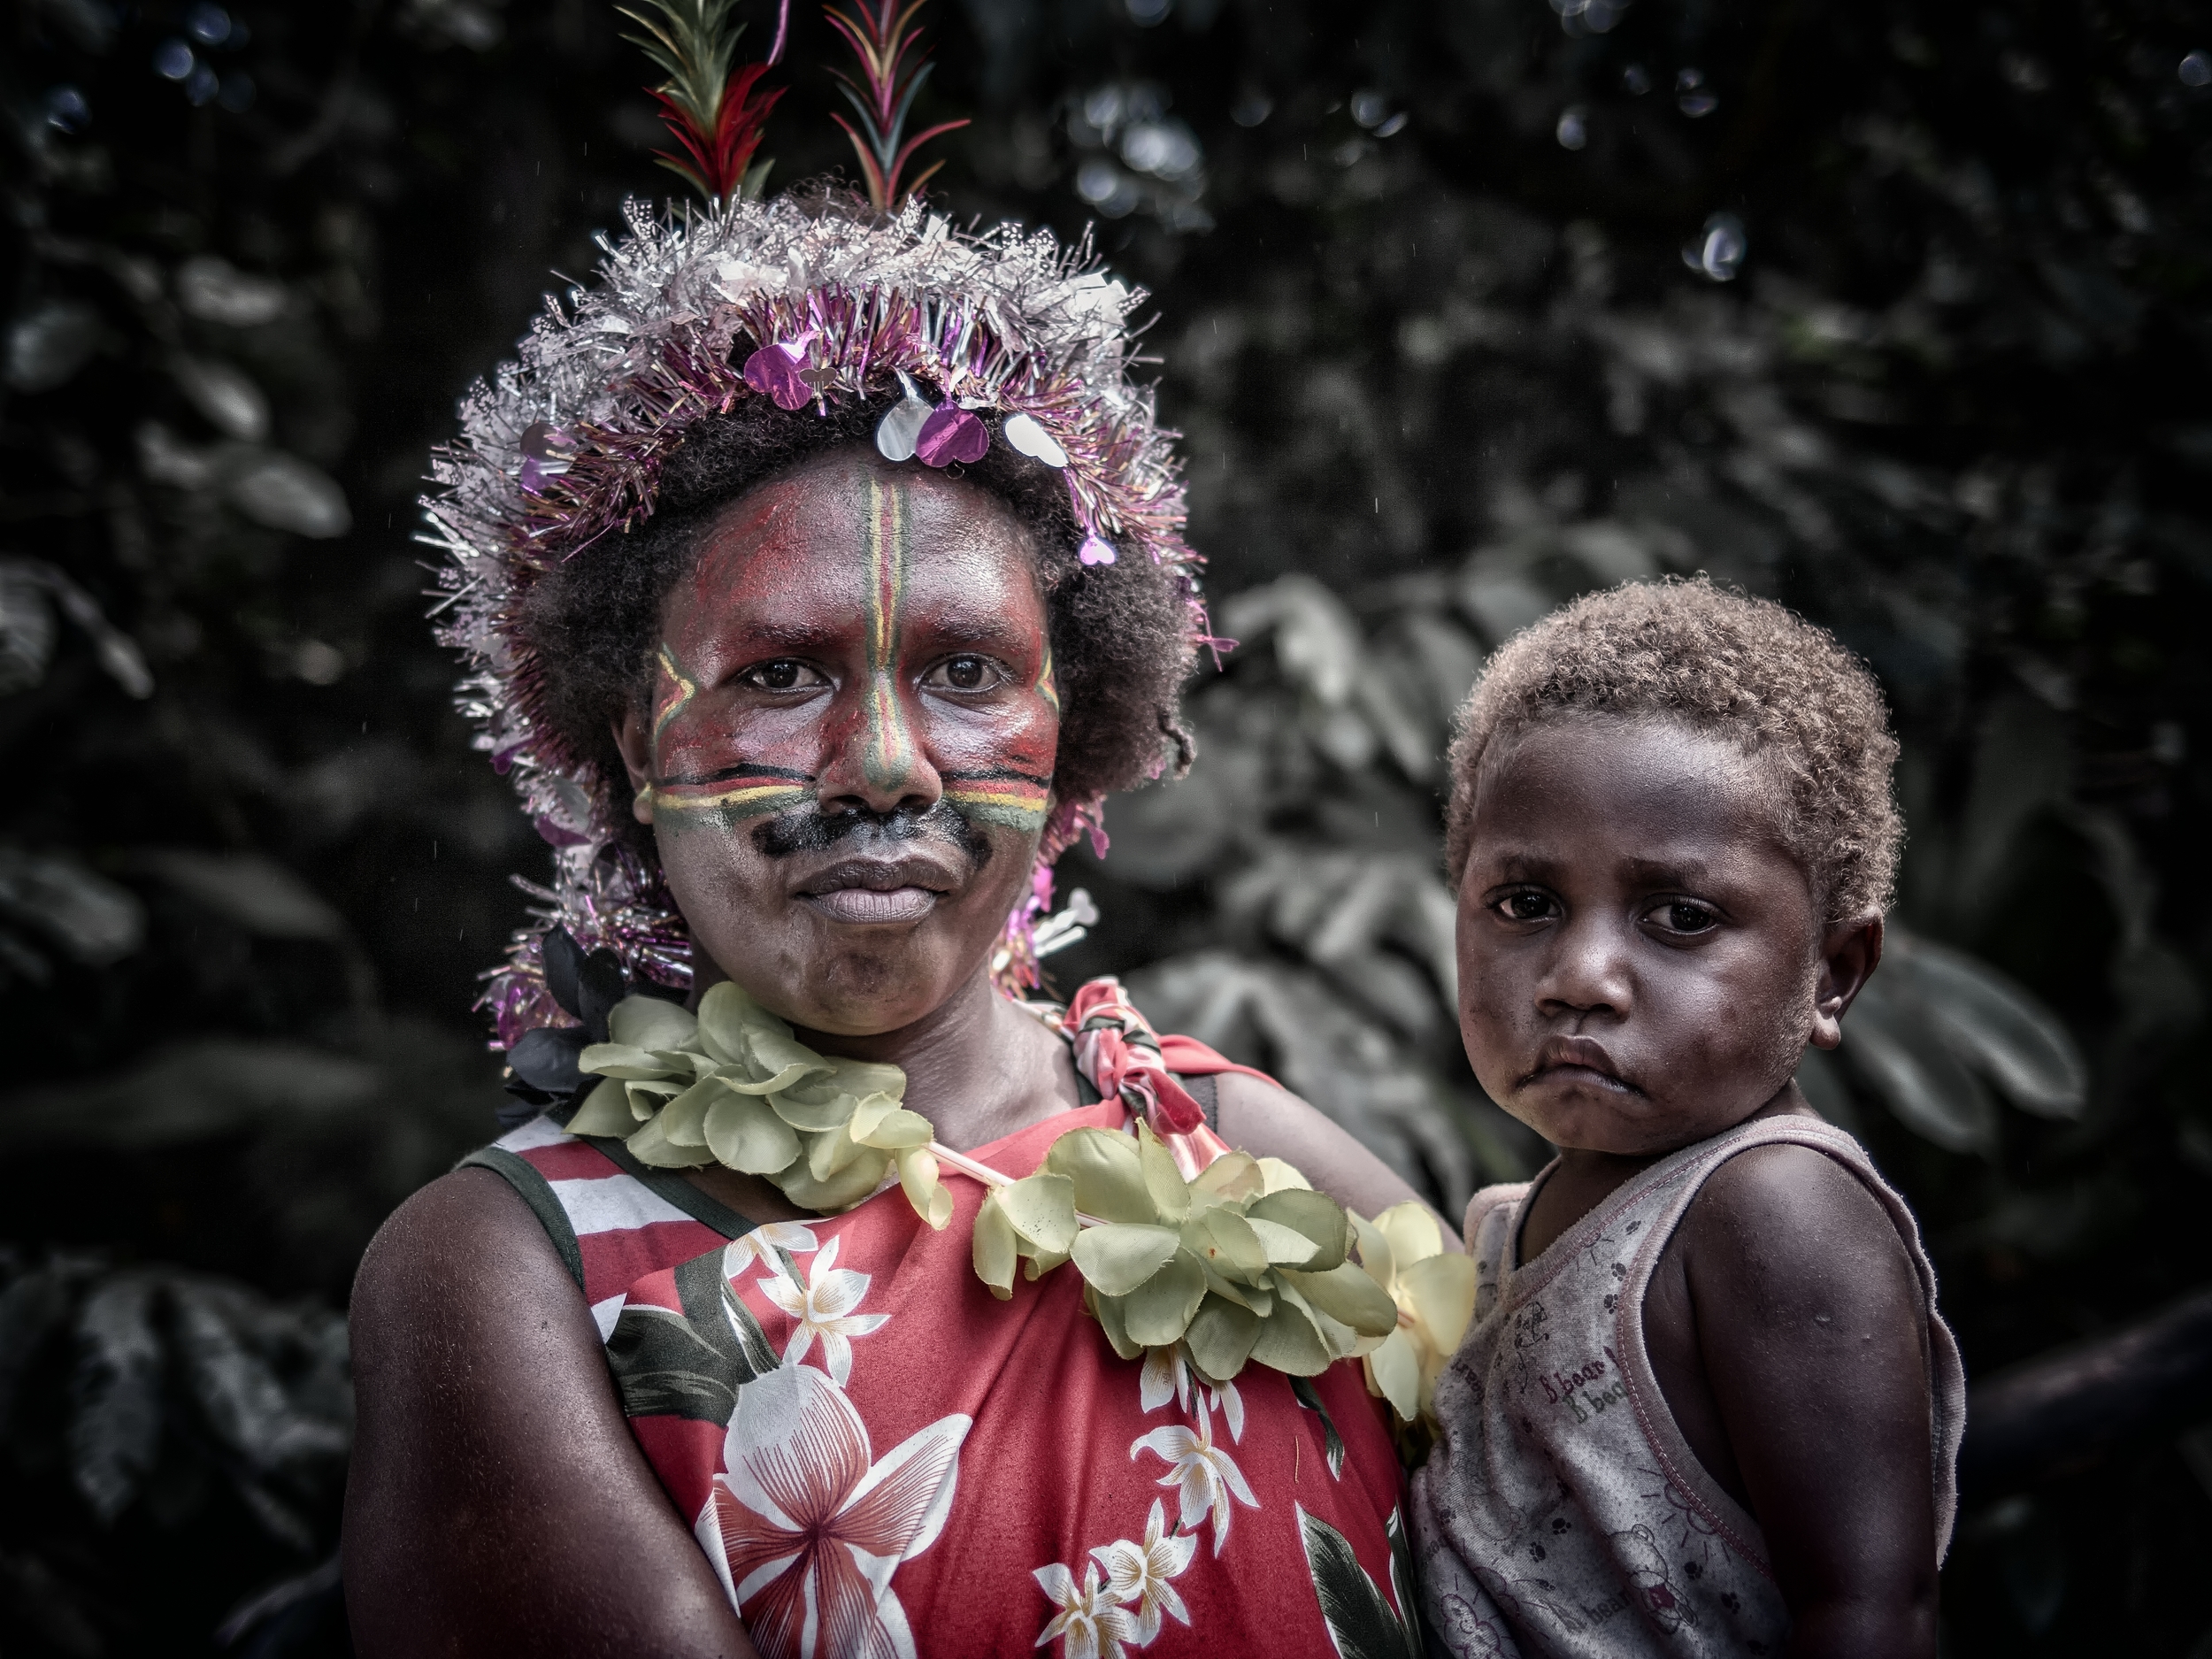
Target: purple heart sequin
x: 772, y: 372
x: 952, y: 434
x: 1096, y: 549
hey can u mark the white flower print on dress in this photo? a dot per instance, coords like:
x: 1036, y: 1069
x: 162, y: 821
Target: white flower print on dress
x: 823, y: 1309
x: 812, y: 1531
x: 1166, y: 1375
x: 1205, y: 1473
x: 1138, y: 1574
x: 1089, y: 1624
x: 761, y: 1245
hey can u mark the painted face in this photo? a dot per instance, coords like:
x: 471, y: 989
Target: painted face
x: 848, y: 761
x: 1639, y: 955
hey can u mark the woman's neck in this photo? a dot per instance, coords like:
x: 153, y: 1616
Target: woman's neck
x: 976, y: 1066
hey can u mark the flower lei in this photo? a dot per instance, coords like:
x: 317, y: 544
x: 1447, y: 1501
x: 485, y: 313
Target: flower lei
x: 1240, y: 1261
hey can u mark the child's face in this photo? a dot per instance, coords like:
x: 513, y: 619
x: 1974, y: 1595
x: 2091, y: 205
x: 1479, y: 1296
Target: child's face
x: 1639, y: 958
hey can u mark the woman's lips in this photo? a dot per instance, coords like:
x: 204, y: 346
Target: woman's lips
x: 865, y: 906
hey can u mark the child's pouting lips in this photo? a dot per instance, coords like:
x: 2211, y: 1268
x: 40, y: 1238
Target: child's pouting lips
x: 1578, y: 1060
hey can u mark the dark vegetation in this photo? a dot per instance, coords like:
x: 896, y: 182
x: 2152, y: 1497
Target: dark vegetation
x: 1898, y: 310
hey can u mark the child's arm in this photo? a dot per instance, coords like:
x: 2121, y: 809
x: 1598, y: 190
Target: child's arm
x: 1811, y: 1336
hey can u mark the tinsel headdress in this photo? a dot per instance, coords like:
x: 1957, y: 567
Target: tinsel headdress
x: 691, y: 314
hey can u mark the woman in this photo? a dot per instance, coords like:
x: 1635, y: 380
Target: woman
x: 821, y: 573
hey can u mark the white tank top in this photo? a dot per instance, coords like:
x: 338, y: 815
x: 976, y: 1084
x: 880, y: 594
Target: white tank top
x: 1562, y: 1512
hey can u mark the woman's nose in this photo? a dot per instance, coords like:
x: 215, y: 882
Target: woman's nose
x: 875, y: 756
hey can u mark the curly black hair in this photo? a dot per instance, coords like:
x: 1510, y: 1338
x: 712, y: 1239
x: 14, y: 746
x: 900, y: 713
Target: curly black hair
x: 1122, y: 638
x: 1739, y: 667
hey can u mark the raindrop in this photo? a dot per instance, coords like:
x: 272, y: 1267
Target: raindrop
x: 1697, y: 106
x: 2196, y: 70
x: 1369, y: 108
x: 210, y: 24
x: 1688, y: 79
x: 173, y: 60
x: 1106, y: 188
x: 1104, y: 108
x: 1572, y: 134
x: 1718, y: 250
x: 1635, y: 81
x: 1167, y: 149
x: 1252, y: 107
x: 201, y: 86
x: 1395, y: 125
x: 67, y: 111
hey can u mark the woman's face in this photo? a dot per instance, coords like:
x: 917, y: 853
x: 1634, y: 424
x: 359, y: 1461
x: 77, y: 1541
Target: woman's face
x: 848, y: 761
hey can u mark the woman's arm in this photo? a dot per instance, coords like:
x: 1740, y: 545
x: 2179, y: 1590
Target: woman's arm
x: 497, y: 1503
x: 1269, y: 1121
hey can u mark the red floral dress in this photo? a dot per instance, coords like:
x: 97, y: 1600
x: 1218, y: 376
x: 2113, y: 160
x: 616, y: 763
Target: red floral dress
x: 879, y: 1458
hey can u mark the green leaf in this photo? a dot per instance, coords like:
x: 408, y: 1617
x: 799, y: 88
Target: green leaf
x: 1229, y: 1180
x: 1332, y: 1442
x: 1397, y: 1372
x: 1281, y: 1243
x: 651, y: 1022
x: 1108, y: 1176
x: 1159, y: 1311
x: 895, y: 1130
x: 1225, y: 1240
x: 605, y: 1112
x: 664, y: 1368
x: 814, y: 1107
x: 992, y: 1247
x: 745, y: 1136
x: 859, y: 1077
x: 621, y: 1059
x: 1220, y: 1338
x: 1347, y: 1295
x: 684, y: 1119
x: 841, y: 1190
x: 651, y: 1147
x: 1041, y: 1208
x: 1316, y: 1215
x: 1260, y: 1297
x: 1290, y: 1341
x: 1118, y: 1258
x: 1361, y: 1620
x: 830, y: 1152
x: 1107, y: 1311
x: 1170, y: 1196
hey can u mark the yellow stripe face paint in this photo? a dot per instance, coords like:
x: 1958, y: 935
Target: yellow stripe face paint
x: 887, y: 745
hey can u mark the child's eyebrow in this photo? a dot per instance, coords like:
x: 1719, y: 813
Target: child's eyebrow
x: 1671, y: 872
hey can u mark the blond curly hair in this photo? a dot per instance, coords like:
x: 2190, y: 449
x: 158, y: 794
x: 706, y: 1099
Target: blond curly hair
x: 1726, y: 663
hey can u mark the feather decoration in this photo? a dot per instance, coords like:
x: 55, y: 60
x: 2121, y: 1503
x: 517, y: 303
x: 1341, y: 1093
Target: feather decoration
x: 719, y: 114
x: 884, y: 96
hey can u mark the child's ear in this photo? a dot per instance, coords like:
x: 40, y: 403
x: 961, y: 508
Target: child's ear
x: 637, y: 744
x: 1849, y: 952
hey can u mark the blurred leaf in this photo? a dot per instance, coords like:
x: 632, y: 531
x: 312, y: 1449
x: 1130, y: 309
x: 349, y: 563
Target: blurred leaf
x: 1909, y: 1067
x: 1990, y: 1023
x: 255, y: 893
x: 93, y: 919
x: 48, y: 344
x: 115, y: 1430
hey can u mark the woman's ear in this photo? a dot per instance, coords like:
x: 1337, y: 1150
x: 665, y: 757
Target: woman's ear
x: 637, y: 744
x: 1849, y: 953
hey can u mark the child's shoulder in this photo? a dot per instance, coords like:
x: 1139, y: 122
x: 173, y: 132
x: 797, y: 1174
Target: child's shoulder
x: 1787, y: 1221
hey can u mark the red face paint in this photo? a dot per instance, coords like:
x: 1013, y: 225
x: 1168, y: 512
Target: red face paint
x: 854, y: 635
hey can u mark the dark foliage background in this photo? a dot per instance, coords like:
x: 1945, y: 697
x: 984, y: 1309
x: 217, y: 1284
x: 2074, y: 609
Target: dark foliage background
x: 1898, y: 310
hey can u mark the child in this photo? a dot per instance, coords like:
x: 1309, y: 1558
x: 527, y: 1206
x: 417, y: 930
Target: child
x: 1706, y: 1405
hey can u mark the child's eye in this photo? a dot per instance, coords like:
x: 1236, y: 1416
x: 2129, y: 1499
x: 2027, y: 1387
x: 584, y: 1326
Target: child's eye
x: 965, y: 673
x: 1683, y: 916
x: 783, y: 674
x: 1523, y: 906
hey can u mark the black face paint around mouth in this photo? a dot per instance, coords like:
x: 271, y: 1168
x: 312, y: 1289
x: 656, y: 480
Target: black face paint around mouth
x: 805, y: 832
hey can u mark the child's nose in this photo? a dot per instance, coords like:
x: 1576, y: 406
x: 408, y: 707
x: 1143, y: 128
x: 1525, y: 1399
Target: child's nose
x: 1588, y: 973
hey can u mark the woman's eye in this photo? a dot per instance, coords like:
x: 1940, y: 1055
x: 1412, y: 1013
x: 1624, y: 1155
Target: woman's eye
x: 966, y: 673
x: 1680, y: 916
x: 1524, y: 907
x: 779, y: 676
